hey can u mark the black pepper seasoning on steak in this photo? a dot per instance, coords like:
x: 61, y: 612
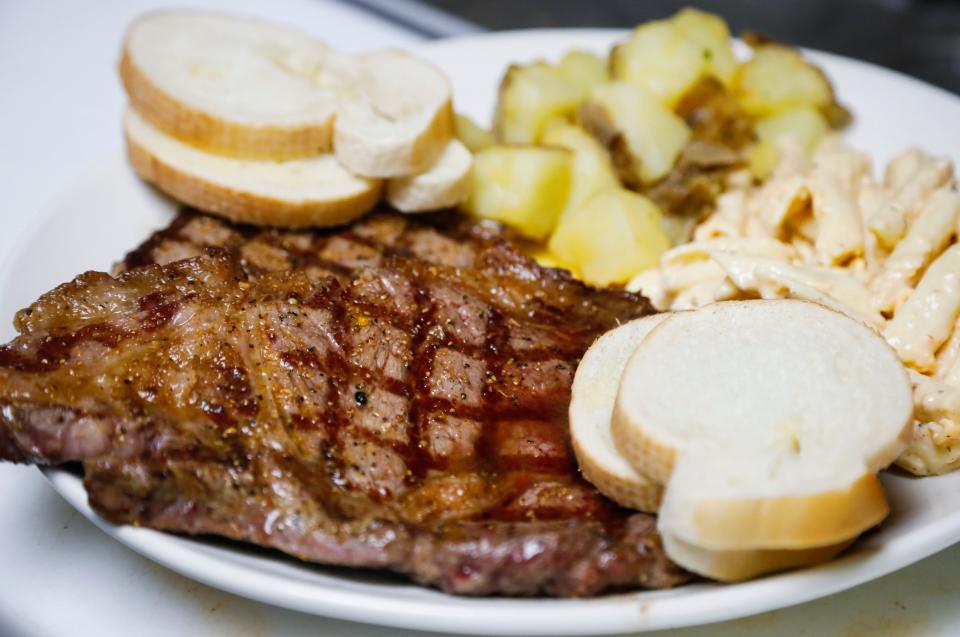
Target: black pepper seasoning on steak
x: 389, y: 395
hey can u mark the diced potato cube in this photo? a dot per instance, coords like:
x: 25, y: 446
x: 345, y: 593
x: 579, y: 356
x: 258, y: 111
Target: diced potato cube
x: 584, y: 69
x: 611, y: 237
x: 529, y: 96
x: 712, y: 34
x: 805, y: 124
x: 778, y: 78
x: 644, y: 136
x: 473, y: 136
x: 592, y: 170
x: 659, y: 58
x: 524, y: 187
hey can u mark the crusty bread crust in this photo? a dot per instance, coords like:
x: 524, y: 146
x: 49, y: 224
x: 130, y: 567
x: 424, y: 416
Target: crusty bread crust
x: 791, y: 521
x: 246, y: 207
x: 653, y: 458
x: 355, y: 152
x: 593, y: 395
x: 216, y: 134
x: 394, y: 140
x: 638, y: 494
x: 679, y: 420
x: 735, y: 566
x: 443, y: 185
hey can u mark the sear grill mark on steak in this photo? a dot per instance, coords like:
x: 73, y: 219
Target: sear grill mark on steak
x: 389, y: 395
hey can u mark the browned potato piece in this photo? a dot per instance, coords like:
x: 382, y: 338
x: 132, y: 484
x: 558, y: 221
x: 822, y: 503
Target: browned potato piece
x: 778, y: 78
x: 712, y: 34
x: 524, y: 187
x: 610, y: 237
x: 660, y: 59
x: 592, y: 170
x: 805, y: 124
x: 644, y: 136
x: 529, y: 96
x: 584, y: 69
x: 667, y: 57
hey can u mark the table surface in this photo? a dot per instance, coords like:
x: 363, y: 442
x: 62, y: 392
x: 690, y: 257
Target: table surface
x: 62, y: 576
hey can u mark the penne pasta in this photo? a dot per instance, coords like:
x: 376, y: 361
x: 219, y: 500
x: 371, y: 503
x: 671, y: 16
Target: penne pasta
x: 838, y: 159
x: 682, y: 276
x: 952, y: 374
x: 727, y: 220
x: 924, y: 321
x: 702, y: 293
x: 934, y: 400
x: 884, y: 253
x: 889, y: 222
x: 839, y: 230
x: 779, y: 202
x: 792, y: 158
x: 650, y: 284
x: 934, y: 447
x: 772, y: 279
x: 934, y: 228
x: 700, y: 250
x: 902, y: 167
x: 947, y: 354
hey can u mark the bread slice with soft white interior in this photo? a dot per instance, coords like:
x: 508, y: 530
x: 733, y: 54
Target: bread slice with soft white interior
x: 232, y: 85
x: 735, y: 566
x: 594, y: 391
x: 591, y: 407
x: 766, y: 421
x: 395, y: 117
x: 443, y: 185
x: 316, y: 191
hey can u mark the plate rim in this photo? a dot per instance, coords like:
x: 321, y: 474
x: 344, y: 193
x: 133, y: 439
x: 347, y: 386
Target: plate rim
x: 513, y: 616
x: 605, y: 615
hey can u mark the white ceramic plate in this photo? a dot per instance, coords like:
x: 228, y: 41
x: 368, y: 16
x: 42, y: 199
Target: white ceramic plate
x: 94, y: 222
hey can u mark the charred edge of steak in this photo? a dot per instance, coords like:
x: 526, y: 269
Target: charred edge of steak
x: 565, y: 558
x: 385, y: 234
x: 12, y: 450
x: 557, y: 558
x: 390, y: 395
x: 51, y: 434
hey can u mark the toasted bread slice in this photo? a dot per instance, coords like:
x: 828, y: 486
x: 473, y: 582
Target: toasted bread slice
x: 443, y: 185
x: 299, y: 192
x: 594, y: 391
x: 735, y: 566
x: 235, y: 86
x: 766, y: 421
x: 395, y: 117
x: 808, y: 516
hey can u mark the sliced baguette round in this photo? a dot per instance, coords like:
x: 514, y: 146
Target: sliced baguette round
x: 443, y: 185
x: 766, y: 421
x: 735, y: 566
x: 396, y: 116
x: 293, y: 193
x: 235, y: 86
x: 787, y: 520
x: 591, y: 406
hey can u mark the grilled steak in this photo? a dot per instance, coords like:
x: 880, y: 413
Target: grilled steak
x: 392, y: 395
